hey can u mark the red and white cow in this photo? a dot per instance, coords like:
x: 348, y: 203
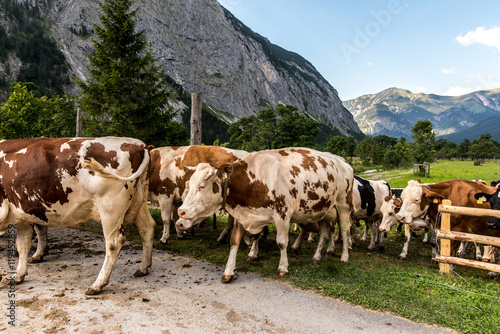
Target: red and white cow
x: 389, y: 209
x: 275, y: 186
x: 368, y: 197
x: 69, y: 181
x: 423, y: 200
x: 168, y: 175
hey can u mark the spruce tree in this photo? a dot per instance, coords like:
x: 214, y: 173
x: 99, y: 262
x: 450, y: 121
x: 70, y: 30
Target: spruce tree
x: 127, y: 93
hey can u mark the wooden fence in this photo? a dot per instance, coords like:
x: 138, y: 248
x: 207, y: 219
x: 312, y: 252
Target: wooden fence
x: 445, y: 258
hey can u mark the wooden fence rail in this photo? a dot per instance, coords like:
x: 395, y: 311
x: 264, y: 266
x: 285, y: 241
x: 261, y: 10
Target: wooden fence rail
x: 445, y: 258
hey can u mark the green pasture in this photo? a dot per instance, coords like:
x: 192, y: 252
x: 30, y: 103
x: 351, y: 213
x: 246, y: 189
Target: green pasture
x: 467, y: 300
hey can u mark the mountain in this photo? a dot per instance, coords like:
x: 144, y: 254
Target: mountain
x: 393, y: 111
x: 490, y: 125
x: 203, y: 48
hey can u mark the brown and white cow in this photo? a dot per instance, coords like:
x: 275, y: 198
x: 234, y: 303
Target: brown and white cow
x: 389, y: 209
x: 69, y: 181
x: 275, y: 186
x: 168, y: 175
x: 421, y: 200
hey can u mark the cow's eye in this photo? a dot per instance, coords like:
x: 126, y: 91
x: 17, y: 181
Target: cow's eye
x: 391, y: 214
x: 202, y: 186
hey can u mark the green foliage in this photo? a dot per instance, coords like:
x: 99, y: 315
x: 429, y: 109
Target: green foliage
x: 340, y: 145
x: 24, y: 115
x: 127, y: 94
x: 423, y: 141
x: 483, y: 148
x: 272, y: 129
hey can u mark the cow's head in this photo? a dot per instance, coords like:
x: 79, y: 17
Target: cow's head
x: 494, y: 200
x: 416, y: 201
x: 390, y: 207
x: 204, y: 195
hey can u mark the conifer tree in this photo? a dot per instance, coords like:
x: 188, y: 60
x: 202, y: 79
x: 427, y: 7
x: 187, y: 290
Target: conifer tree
x: 127, y: 93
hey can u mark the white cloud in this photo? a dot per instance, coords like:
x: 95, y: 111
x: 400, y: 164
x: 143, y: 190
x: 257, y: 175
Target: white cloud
x: 451, y: 70
x: 369, y: 63
x: 459, y: 90
x: 488, y: 37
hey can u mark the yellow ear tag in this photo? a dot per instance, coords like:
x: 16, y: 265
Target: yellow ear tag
x: 435, y: 200
x: 479, y: 201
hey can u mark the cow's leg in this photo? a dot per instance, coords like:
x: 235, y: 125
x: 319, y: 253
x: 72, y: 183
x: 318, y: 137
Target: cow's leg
x: 426, y: 236
x: 23, y: 245
x: 488, y: 256
x: 146, y: 227
x: 344, y: 216
x: 310, y: 238
x: 298, y: 242
x: 331, y: 240
x: 41, y: 247
x: 365, y: 232
x: 166, y: 206
x: 112, y: 227
x: 381, y: 245
x: 282, y: 235
x: 254, y: 249
x: 404, y: 252
x: 374, y: 234
x: 462, y: 250
x: 323, y: 238
x: 236, y: 236
x: 225, y: 232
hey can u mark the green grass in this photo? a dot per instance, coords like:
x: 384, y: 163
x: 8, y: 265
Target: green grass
x: 467, y: 300
x: 440, y: 171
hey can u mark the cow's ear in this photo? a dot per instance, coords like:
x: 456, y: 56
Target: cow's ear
x: 485, y: 195
x: 418, y: 181
x: 431, y: 194
x: 225, y: 168
x: 189, y: 168
x: 387, y: 198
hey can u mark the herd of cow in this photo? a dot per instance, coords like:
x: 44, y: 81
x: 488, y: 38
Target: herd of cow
x: 69, y: 181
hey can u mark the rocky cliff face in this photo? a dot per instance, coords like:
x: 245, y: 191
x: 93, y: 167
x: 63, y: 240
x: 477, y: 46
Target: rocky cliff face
x: 206, y: 49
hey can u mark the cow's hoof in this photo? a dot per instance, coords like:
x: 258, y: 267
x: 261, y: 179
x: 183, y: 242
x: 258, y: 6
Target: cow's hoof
x: 402, y: 257
x: 164, y: 241
x: 381, y: 248
x: 36, y: 260
x: 282, y: 273
x: 493, y: 274
x: 227, y: 278
x: 251, y: 258
x: 314, y: 261
x: 139, y: 273
x: 294, y: 250
x: 370, y: 248
x: 92, y: 292
x: 484, y: 260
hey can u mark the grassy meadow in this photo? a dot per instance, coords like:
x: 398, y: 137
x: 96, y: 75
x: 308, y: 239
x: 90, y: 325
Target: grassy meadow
x: 467, y: 300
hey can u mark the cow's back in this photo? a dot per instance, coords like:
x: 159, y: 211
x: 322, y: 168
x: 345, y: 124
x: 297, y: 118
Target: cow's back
x: 43, y: 178
x: 461, y: 193
x: 168, y: 174
x: 305, y: 181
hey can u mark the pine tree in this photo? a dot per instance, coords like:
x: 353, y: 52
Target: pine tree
x: 127, y: 94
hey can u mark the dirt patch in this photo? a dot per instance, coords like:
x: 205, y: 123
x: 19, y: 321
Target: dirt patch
x: 180, y: 295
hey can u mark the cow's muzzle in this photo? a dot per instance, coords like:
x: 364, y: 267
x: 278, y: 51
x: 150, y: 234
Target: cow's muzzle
x: 493, y: 223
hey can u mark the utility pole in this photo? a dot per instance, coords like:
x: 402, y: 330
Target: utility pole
x: 78, y: 122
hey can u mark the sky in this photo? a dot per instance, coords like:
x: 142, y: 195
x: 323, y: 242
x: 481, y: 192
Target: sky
x: 444, y: 47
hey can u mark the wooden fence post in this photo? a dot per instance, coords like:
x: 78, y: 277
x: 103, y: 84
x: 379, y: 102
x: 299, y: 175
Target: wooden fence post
x: 78, y: 122
x: 445, y: 243
x: 196, y: 105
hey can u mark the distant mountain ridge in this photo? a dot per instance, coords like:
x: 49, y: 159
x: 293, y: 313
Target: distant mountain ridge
x: 393, y: 111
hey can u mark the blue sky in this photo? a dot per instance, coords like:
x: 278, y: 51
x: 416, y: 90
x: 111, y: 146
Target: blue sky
x: 362, y: 47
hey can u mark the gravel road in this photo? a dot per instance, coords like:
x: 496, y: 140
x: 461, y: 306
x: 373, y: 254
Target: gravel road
x: 180, y: 295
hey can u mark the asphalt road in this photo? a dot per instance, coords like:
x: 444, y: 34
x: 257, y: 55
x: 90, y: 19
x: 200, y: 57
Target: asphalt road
x: 180, y: 295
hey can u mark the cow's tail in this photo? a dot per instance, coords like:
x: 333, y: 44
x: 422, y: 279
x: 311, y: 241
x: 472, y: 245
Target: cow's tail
x: 95, y: 166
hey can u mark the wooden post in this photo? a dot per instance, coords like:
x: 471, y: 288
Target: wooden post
x: 78, y: 122
x: 445, y: 243
x: 196, y: 105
